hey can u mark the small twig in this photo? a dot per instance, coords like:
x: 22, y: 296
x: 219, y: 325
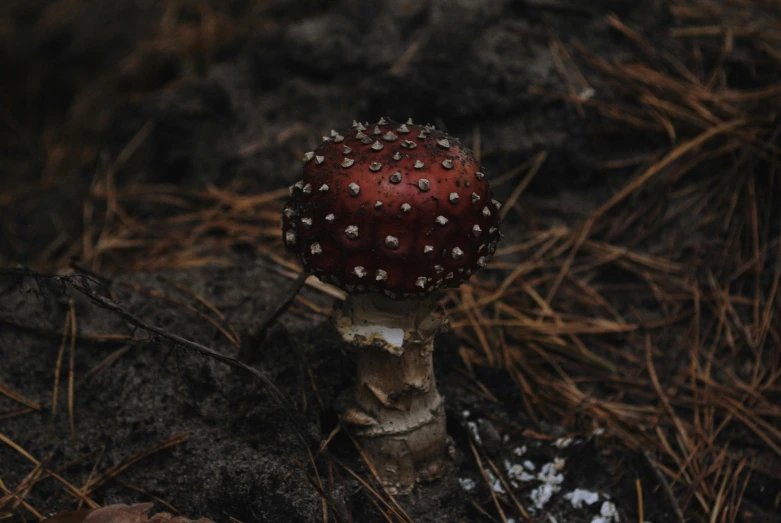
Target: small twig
x: 317, y: 484
x: 77, y: 281
x: 288, y: 408
x: 668, y: 491
x: 103, y: 365
x: 250, y: 343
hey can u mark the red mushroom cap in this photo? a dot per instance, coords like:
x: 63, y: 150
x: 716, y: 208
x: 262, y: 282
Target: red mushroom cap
x: 396, y: 208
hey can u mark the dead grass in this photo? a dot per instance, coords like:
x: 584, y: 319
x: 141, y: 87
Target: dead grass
x: 657, y: 318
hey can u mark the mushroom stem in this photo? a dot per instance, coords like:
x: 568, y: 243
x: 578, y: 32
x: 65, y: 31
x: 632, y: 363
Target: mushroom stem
x: 396, y: 412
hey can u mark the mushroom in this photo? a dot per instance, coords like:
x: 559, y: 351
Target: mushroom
x: 397, y: 223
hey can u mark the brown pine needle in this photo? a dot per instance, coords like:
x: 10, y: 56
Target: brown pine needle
x: 71, y: 369
x: 396, y: 508
x: 19, y: 493
x: 640, y: 506
x: 146, y: 493
x: 667, y: 160
x: 508, y: 490
x: 26, y: 505
x: 488, y: 482
x: 68, y: 486
x: 58, y: 365
x: 117, y: 469
x: 5, y: 390
x: 535, y: 168
x: 226, y: 331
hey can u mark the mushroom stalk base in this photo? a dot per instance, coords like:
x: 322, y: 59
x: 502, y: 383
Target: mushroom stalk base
x: 396, y: 413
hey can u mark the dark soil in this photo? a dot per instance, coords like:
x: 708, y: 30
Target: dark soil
x: 210, y: 94
x: 239, y: 458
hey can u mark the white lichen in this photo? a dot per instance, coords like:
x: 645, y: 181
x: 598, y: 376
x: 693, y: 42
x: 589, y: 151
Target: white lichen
x: 466, y: 483
x: 542, y: 494
x: 608, y: 513
x: 496, y: 484
x: 551, y: 474
x: 580, y: 496
x: 475, y: 433
x: 517, y: 473
x: 551, y: 478
x: 609, y: 510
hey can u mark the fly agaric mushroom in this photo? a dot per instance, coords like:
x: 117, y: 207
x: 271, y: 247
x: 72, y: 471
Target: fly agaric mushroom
x: 390, y: 213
